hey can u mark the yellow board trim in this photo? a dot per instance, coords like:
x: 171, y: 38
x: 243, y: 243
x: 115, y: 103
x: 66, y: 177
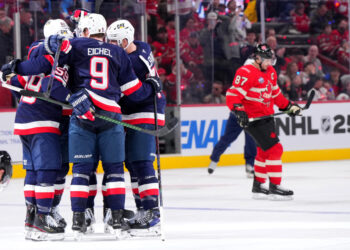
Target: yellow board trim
x: 178, y: 161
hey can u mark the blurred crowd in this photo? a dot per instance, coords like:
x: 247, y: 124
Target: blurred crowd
x: 216, y: 37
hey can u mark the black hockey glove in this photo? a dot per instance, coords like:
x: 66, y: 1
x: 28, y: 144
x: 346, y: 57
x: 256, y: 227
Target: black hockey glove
x: 52, y: 42
x: 9, y: 68
x: 292, y: 109
x: 5, y: 169
x: 156, y: 83
x: 242, y: 117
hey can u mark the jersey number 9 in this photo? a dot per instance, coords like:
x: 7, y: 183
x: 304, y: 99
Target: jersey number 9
x: 99, y: 72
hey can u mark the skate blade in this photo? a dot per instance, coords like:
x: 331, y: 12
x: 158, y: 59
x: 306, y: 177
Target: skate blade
x: 37, y: 235
x: 250, y: 175
x: 259, y: 196
x: 77, y: 235
x: 276, y: 197
x: 119, y: 234
x: 28, y: 233
x: 149, y: 232
x: 108, y: 229
x: 90, y: 229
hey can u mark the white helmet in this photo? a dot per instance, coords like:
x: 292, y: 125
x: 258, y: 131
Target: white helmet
x: 57, y: 27
x: 95, y: 23
x: 119, y: 30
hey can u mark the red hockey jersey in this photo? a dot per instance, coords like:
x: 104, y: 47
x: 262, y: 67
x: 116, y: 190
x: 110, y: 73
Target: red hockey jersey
x: 256, y: 90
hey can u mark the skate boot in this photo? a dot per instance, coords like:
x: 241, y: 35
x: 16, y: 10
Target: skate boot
x: 139, y: 214
x: 108, y: 228
x: 29, y: 222
x: 212, y: 167
x: 46, y: 228
x: 79, y: 225
x: 90, y: 220
x: 249, y: 169
x: 260, y: 192
x: 147, y: 225
x: 61, y: 222
x: 278, y: 193
x: 119, y: 224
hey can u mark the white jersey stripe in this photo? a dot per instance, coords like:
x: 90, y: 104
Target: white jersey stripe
x: 103, y: 99
x: 257, y: 174
x: 274, y: 162
x: 149, y: 186
x: 129, y: 85
x: 275, y: 174
x: 115, y: 184
x: 143, y: 115
x: 81, y: 188
x: 259, y: 163
x: 92, y: 187
x: 59, y: 186
x: 37, y: 124
x: 40, y: 189
x: 28, y: 187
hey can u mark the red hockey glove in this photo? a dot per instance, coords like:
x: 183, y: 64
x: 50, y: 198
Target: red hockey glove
x: 242, y: 117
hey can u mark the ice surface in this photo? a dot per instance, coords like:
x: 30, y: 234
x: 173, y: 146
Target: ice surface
x: 216, y: 212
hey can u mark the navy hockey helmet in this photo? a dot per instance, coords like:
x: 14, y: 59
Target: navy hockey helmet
x: 264, y: 51
x: 5, y: 164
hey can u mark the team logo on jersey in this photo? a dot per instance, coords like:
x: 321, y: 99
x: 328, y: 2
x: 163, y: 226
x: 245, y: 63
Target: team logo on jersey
x: 261, y: 80
x: 272, y: 76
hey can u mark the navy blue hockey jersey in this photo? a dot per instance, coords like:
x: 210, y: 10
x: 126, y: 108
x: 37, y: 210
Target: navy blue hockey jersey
x: 103, y: 69
x: 143, y: 112
x: 34, y: 115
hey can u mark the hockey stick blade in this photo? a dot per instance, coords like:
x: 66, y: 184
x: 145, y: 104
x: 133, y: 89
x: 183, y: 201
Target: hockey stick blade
x: 170, y: 126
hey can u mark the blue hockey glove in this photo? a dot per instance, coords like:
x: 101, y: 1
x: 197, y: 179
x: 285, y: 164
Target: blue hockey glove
x: 82, y: 106
x: 51, y: 44
x: 292, y: 109
x: 242, y: 117
x: 9, y: 68
x: 156, y: 83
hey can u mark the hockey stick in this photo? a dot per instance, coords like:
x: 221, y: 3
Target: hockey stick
x: 307, y: 105
x: 157, y: 153
x: 53, y: 70
x: 170, y: 126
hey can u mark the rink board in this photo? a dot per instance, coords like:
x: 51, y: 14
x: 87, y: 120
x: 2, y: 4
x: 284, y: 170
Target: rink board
x: 322, y: 133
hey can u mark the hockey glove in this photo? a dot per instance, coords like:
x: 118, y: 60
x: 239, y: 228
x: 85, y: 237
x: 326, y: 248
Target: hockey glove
x: 156, y: 83
x: 51, y: 44
x: 292, y: 109
x: 78, y: 14
x: 9, y: 68
x: 82, y: 106
x: 242, y: 117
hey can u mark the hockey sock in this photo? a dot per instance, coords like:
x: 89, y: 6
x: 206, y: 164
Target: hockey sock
x: 134, y: 184
x: 92, y: 190
x: 274, y: 163
x: 148, y: 183
x: 59, y: 184
x: 115, y: 185
x: 259, y: 166
x: 44, y: 190
x: 29, y: 187
x: 79, y: 189
x: 104, y: 191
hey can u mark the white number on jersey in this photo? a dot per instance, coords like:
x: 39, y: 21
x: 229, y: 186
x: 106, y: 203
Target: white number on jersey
x: 239, y: 78
x: 99, y: 72
x: 33, y: 84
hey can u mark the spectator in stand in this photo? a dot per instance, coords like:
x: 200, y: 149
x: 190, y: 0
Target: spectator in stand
x: 343, y: 54
x: 296, y: 55
x: 189, y: 28
x: 312, y: 57
x: 216, y: 95
x: 214, y: 6
x: 192, y: 55
x: 26, y: 31
x: 6, y: 47
x: 309, y: 76
x: 320, y: 17
x: 170, y: 27
x: 295, y: 90
x: 279, y: 54
x: 248, y: 46
x: 342, y: 31
x: 328, y: 91
x: 285, y: 80
x: 320, y: 94
x: 300, y: 20
x: 327, y: 43
x: 164, y: 53
x: 345, y: 95
x: 335, y: 80
x: 270, y: 32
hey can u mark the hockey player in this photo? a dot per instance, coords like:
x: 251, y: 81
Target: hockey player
x: 232, y: 131
x: 102, y: 72
x: 140, y: 147
x: 5, y: 169
x: 253, y: 94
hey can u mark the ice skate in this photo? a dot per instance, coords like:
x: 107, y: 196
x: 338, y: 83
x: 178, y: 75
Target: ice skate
x: 147, y: 225
x: 61, y: 222
x: 249, y: 169
x: 212, y: 167
x: 278, y: 193
x: 29, y: 222
x: 260, y: 192
x: 46, y: 228
x: 127, y: 215
x: 119, y: 224
x: 79, y: 225
x: 139, y: 214
x: 90, y: 220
